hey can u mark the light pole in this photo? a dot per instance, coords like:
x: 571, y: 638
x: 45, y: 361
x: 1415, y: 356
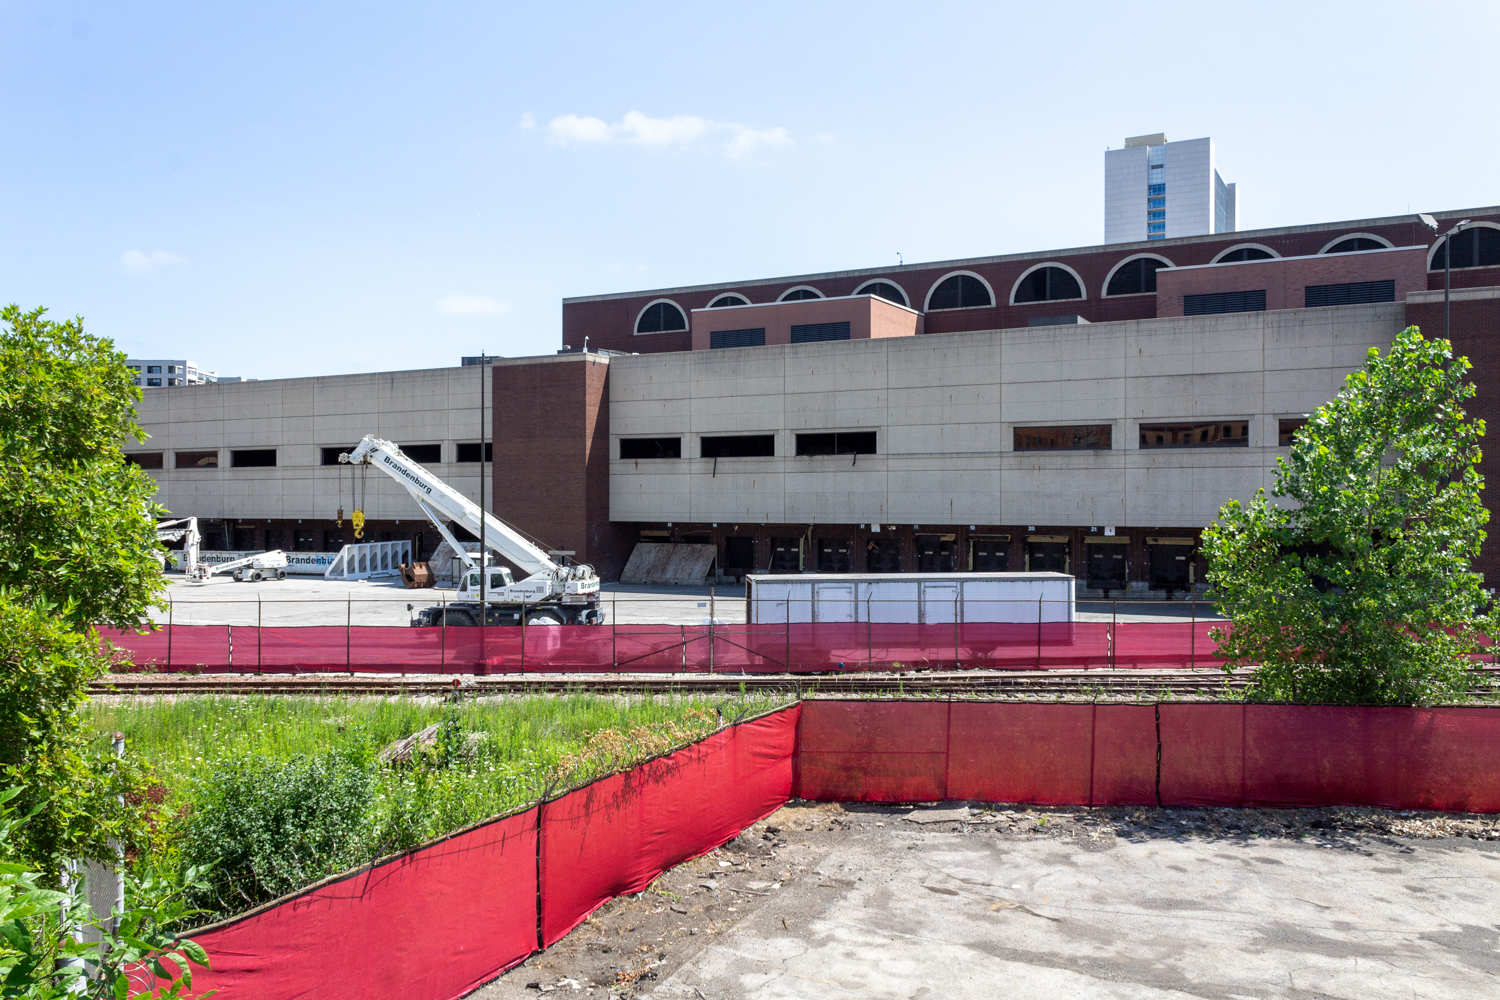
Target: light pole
x: 1447, y: 266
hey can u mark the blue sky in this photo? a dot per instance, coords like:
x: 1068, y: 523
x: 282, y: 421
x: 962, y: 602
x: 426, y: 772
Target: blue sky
x: 279, y: 190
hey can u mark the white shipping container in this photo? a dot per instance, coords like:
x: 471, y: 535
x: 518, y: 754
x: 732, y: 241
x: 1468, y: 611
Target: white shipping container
x: 912, y: 598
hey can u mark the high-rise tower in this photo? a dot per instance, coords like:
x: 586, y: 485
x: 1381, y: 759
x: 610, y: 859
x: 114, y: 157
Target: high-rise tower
x: 1157, y: 190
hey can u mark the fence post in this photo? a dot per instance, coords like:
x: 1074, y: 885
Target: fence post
x: 614, y: 635
x: 348, y: 632
x: 169, y: 633
x: 1039, y: 632
x: 788, y: 632
x: 1114, y: 633
x: 1193, y: 636
x: 229, y: 630
x: 710, y: 629
x: 955, y: 631
x: 259, y: 661
x: 523, y: 637
x: 443, y: 637
x: 869, y: 634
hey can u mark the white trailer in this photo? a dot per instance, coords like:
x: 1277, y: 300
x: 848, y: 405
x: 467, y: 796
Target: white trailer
x: 911, y: 598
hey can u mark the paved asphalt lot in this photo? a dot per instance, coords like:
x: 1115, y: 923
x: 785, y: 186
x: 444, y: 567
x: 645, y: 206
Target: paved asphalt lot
x: 314, y: 601
x: 830, y: 901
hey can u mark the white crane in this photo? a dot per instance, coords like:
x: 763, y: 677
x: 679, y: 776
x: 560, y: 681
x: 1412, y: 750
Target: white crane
x: 184, y: 529
x: 551, y: 594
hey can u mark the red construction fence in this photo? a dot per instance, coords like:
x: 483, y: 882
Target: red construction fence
x: 436, y: 923
x: 796, y: 648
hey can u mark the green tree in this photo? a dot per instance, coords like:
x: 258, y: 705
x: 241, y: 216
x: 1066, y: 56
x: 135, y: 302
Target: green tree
x: 76, y: 521
x: 1356, y: 589
x: 77, y: 549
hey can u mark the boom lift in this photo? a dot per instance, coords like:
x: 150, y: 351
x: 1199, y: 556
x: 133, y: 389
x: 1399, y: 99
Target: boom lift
x: 261, y: 566
x: 184, y: 529
x: 552, y: 594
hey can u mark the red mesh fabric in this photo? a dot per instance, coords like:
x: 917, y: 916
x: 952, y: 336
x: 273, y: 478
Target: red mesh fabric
x: 1202, y: 754
x: 872, y: 751
x: 618, y: 834
x: 429, y: 926
x: 1124, y: 755
x: 1020, y: 753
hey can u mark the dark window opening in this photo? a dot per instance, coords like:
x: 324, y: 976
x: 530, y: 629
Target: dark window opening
x: 962, y: 291
x: 1135, y: 276
x: 1355, y: 244
x: 145, y: 459
x: 1349, y: 294
x: 739, y: 556
x: 728, y: 300
x: 1286, y: 432
x: 1220, y: 434
x: 737, y: 338
x: 663, y: 317
x: 935, y: 553
x: 786, y: 555
x: 811, y: 333
x: 1048, y: 284
x: 833, y: 555
x: 742, y: 446
x: 989, y: 555
x: 331, y: 455
x: 1224, y: 302
x: 274, y: 539
x: 800, y: 294
x: 1107, y: 564
x: 883, y: 555
x: 1477, y: 247
x: 469, y: 451
x: 670, y: 447
x: 1244, y: 254
x: 885, y: 290
x: 244, y: 540
x: 839, y: 443
x: 304, y: 540
x: 1170, y: 566
x: 423, y: 452
x: 333, y: 540
x: 197, y: 460
x: 253, y: 458
x: 1066, y: 438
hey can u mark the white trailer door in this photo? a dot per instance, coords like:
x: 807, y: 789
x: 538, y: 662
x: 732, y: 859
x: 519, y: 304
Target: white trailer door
x: 834, y: 602
x: 939, y: 602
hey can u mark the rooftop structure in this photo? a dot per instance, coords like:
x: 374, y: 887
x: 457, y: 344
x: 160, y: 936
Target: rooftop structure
x: 1160, y: 190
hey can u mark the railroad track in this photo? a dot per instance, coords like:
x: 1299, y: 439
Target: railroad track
x: 1109, y: 683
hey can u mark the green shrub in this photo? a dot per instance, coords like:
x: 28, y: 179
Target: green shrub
x: 264, y: 827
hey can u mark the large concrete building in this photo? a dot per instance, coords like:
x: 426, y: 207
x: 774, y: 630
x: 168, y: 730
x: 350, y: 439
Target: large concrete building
x: 1086, y: 410
x: 1159, y: 190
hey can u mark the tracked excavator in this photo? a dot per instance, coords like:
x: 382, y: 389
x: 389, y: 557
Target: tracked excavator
x: 552, y: 594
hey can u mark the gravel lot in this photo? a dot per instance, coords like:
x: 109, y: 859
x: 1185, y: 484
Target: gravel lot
x: 969, y: 900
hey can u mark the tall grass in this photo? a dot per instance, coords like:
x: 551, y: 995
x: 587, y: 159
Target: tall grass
x: 244, y: 781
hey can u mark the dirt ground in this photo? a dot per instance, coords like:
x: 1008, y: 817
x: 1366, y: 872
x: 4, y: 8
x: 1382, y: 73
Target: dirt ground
x: 822, y: 900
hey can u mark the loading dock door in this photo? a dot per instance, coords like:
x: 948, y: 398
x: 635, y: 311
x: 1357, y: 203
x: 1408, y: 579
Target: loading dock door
x: 1047, y: 554
x: 786, y: 555
x: 883, y: 555
x: 1108, y: 562
x: 739, y: 556
x: 935, y: 553
x: 833, y: 555
x: 1171, y: 563
x: 990, y: 554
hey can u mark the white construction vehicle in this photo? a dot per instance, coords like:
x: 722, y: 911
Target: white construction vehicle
x: 552, y: 594
x: 261, y: 566
x: 184, y: 529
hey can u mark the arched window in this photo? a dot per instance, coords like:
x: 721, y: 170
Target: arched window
x: 1477, y: 247
x: 1356, y: 244
x: 1047, y: 284
x: 885, y: 290
x: 799, y: 293
x: 1244, y: 253
x: 728, y: 300
x: 1135, y: 276
x: 960, y: 291
x: 660, y: 317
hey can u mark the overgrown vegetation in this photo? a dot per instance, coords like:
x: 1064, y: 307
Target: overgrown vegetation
x: 1356, y: 587
x: 269, y: 795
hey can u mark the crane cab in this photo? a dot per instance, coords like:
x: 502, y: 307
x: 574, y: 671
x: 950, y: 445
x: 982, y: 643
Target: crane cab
x: 500, y: 579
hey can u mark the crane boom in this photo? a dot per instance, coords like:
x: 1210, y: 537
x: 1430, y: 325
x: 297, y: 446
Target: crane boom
x: 431, y: 492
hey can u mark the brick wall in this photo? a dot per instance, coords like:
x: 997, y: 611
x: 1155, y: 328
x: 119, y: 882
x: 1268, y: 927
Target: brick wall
x: 551, y: 433
x: 1285, y: 281
x: 1475, y: 334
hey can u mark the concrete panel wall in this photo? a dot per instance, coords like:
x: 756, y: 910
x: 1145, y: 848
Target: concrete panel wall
x: 944, y: 410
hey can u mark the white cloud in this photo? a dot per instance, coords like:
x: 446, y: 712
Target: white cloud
x: 141, y: 262
x: 643, y: 130
x: 471, y: 305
